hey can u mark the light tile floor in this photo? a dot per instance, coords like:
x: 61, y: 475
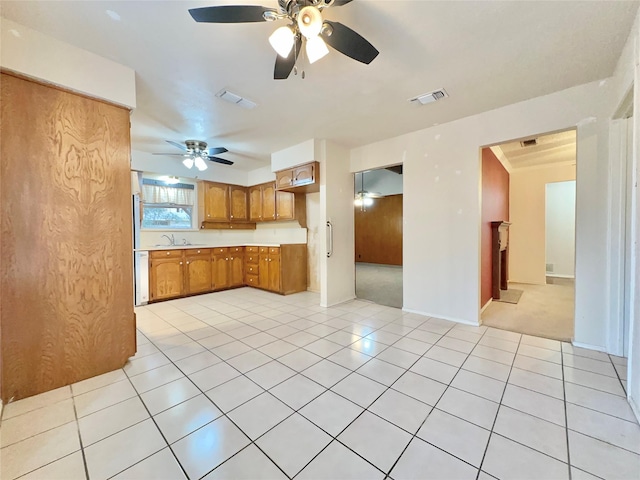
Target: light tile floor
x: 245, y: 384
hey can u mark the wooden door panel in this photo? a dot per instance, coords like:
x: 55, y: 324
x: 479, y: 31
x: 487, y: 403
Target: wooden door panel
x: 166, y: 279
x: 67, y: 274
x: 236, y: 273
x: 284, y: 178
x: 198, y: 271
x: 263, y: 271
x: 285, y: 206
x: 304, y: 174
x: 221, y: 272
x: 274, y: 273
x: 239, y: 204
x: 269, y: 202
x: 255, y: 204
x: 216, y: 205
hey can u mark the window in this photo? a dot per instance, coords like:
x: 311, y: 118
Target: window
x: 167, y: 206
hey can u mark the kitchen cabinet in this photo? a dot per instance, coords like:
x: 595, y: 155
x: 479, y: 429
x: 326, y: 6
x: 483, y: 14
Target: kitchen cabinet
x: 266, y: 204
x: 281, y: 269
x: 300, y: 179
x: 269, y: 275
x: 220, y: 268
x: 216, y: 202
x: 236, y: 267
x: 285, y: 206
x: 251, y: 266
x: 197, y: 271
x: 238, y: 204
x: 166, y: 275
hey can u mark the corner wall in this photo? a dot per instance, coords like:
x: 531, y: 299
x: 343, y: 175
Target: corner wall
x: 495, y: 207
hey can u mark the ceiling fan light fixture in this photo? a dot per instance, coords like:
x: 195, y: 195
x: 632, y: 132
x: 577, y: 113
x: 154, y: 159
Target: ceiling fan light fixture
x: 188, y: 162
x: 282, y: 41
x: 200, y: 164
x: 310, y: 22
x: 316, y: 49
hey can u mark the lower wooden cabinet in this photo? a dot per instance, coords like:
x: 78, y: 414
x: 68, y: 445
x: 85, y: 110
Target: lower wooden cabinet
x: 176, y: 273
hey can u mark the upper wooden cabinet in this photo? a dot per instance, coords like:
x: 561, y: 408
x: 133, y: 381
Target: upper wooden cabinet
x: 285, y: 206
x: 216, y: 202
x: 223, y: 206
x: 300, y: 179
x: 238, y: 204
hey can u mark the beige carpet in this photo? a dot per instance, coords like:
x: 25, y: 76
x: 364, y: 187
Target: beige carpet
x: 543, y: 310
x: 381, y: 284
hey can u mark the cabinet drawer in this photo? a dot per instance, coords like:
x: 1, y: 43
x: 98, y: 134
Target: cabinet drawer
x: 197, y: 251
x: 264, y: 249
x: 220, y: 251
x: 236, y: 250
x: 252, y: 258
x: 166, y: 254
x: 252, y: 269
x: 274, y: 250
x: 252, y: 280
x: 252, y: 249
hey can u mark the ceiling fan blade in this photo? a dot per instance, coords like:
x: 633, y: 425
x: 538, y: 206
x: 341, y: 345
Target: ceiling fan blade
x: 176, y: 144
x: 284, y: 66
x: 217, y: 150
x: 220, y: 160
x: 350, y: 43
x: 230, y: 14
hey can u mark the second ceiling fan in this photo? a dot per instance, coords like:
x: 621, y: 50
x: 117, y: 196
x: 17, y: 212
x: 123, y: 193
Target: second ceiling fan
x: 306, y: 23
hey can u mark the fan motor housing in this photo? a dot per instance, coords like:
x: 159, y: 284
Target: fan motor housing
x: 196, y: 145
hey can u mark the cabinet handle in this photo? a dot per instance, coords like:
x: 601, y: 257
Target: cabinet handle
x: 180, y: 263
x: 168, y: 253
x: 198, y: 251
x: 231, y: 258
x: 187, y: 263
x: 208, y: 214
x: 231, y: 216
x: 226, y: 259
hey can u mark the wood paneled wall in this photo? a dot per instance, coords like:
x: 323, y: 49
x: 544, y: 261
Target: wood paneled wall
x: 378, y: 231
x: 495, y: 208
x: 65, y: 246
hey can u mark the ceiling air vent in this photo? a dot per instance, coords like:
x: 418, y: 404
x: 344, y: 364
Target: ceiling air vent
x: 231, y: 97
x: 529, y: 143
x: 430, y: 97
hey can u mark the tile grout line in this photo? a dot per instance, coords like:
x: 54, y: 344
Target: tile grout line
x: 75, y: 413
x: 566, y: 416
x: 491, y: 432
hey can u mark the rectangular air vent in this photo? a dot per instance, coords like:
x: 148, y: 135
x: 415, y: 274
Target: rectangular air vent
x: 236, y: 99
x: 430, y: 97
x: 529, y: 143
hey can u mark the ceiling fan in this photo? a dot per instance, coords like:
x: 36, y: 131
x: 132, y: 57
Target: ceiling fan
x: 195, y: 153
x: 306, y: 22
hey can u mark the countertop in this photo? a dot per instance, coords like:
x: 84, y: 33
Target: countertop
x: 185, y: 247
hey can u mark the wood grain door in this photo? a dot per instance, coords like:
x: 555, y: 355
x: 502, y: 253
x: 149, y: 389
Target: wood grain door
x: 236, y: 270
x: 239, y: 204
x: 274, y: 273
x: 304, y: 174
x: 67, y: 270
x: 198, y: 273
x: 285, y: 206
x: 284, y: 178
x: 255, y: 203
x: 263, y: 271
x: 166, y: 278
x: 269, y: 202
x: 216, y: 202
x: 220, y: 269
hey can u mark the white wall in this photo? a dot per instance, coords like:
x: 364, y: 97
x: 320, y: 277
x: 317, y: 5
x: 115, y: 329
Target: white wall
x: 442, y: 201
x: 527, y: 239
x: 560, y: 219
x: 43, y: 57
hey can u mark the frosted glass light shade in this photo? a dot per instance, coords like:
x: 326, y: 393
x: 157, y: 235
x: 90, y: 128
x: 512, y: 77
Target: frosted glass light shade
x: 310, y: 22
x: 200, y: 165
x: 316, y: 49
x: 282, y: 41
x: 188, y: 162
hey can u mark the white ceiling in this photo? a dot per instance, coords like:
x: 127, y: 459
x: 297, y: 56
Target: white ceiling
x: 486, y: 54
x: 554, y: 148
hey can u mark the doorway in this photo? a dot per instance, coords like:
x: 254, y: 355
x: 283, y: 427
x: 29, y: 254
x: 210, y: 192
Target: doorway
x: 540, y: 174
x: 378, y: 235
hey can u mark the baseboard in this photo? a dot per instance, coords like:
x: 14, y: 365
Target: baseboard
x: 441, y: 317
x: 597, y: 348
x: 554, y: 275
x: 634, y: 407
x: 486, y: 305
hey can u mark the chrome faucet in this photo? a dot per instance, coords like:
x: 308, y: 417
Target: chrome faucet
x: 172, y: 240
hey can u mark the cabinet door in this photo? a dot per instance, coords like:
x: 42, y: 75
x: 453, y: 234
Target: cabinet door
x: 263, y: 271
x: 269, y: 202
x: 216, y: 202
x: 239, y: 205
x: 284, y: 178
x: 285, y: 206
x: 198, y: 273
x: 166, y: 278
x: 236, y: 270
x: 274, y: 273
x: 220, y: 269
x: 303, y: 174
x: 255, y: 204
